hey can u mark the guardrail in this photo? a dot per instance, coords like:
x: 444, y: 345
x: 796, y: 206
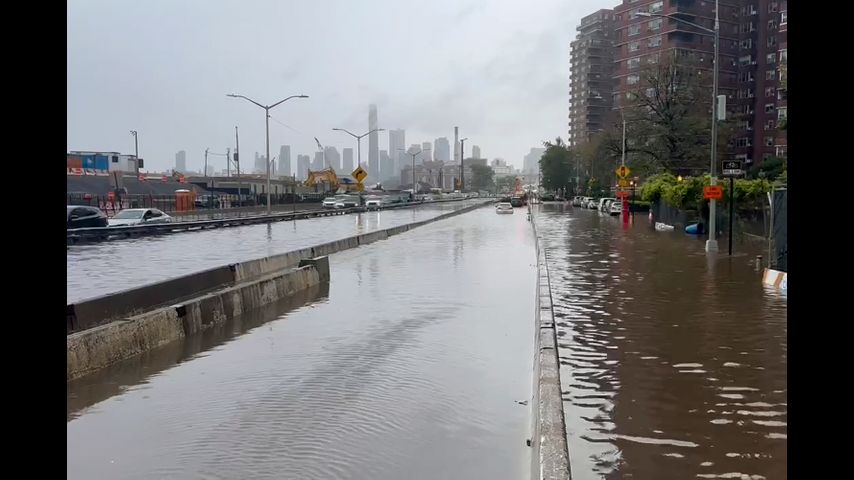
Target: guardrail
x: 98, y: 234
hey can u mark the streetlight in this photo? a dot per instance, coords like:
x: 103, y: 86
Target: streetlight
x: 359, y: 139
x: 462, y: 161
x: 712, y: 242
x: 267, y: 109
x: 135, y: 149
x: 413, y: 169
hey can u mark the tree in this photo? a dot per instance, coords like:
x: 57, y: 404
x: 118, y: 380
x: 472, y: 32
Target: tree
x: 481, y: 177
x: 507, y: 183
x: 557, y: 165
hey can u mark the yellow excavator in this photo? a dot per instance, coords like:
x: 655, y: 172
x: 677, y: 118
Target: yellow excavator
x: 328, y: 176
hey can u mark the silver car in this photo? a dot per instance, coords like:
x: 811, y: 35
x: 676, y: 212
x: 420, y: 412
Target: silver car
x: 139, y: 216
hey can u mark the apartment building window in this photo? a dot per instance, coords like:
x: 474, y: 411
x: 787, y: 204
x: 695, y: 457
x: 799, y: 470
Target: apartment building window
x: 770, y: 58
x: 655, y: 41
x: 781, y: 113
x: 745, y: 60
x: 772, y: 24
x: 745, y: 76
x: 655, y: 24
x: 780, y: 151
x: 769, y: 92
x: 630, y: 96
x: 633, y: 63
x: 656, y: 7
x: 744, y: 125
x: 769, y: 107
x: 650, y: 92
x: 633, y: 13
x: 747, y: 44
x: 772, y: 7
x: 632, y: 79
x: 772, y: 41
x: 770, y: 74
x: 748, y: 27
x: 769, y: 141
x: 770, y: 124
x: 743, y: 142
x: 634, y: 46
x: 783, y: 18
x: 652, y: 59
x: 634, y: 29
x: 784, y: 55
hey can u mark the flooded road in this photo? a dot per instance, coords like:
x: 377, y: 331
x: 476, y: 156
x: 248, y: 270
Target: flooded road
x: 673, y: 366
x: 98, y: 269
x: 409, y: 366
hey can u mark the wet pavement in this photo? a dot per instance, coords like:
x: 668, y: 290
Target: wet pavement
x: 411, y: 366
x: 673, y: 365
x: 93, y: 270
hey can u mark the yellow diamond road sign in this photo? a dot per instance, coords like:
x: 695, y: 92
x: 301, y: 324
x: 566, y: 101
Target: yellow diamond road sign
x: 623, y: 171
x: 623, y: 183
x: 359, y: 174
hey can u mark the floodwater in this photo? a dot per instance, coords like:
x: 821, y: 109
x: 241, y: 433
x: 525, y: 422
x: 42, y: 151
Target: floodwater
x: 416, y: 363
x: 673, y: 364
x: 97, y: 269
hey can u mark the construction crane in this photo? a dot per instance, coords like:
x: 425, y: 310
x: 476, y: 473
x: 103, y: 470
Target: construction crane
x: 327, y: 175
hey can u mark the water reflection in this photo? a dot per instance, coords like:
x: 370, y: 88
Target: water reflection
x: 673, y: 363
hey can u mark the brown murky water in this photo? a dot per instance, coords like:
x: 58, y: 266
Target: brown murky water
x: 673, y: 365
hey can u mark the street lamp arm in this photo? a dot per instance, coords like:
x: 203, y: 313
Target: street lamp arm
x: 347, y: 132
x: 285, y: 100
x: 670, y: 16
x: 246, y: 98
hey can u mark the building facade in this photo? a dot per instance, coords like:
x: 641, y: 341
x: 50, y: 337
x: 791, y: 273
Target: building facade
x: 373, y: 144
x: 591, y: 81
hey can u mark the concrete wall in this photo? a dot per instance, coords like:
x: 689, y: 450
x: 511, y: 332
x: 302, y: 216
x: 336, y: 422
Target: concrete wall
x: 101, y: 346
x: 550, y: 455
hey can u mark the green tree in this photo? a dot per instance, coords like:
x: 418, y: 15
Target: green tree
x: 482, y: 177
x: 507, y: 183
x: 557, y: 165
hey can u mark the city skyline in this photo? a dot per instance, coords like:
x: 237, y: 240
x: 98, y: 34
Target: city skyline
x: 172, y: 111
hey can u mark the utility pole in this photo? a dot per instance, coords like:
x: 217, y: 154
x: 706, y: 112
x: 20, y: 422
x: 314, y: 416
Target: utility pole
x: 206, y: 162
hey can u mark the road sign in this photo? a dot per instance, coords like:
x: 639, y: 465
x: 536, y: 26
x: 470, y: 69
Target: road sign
x: 732, y: 168
x: 623, y: 171
x: 359, y: 174
x: 622, y: 194
x: 623, y: 183
x: 715, y: 192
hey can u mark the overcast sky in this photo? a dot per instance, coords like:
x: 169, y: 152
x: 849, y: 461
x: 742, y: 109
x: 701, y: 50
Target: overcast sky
x: 498, y: 69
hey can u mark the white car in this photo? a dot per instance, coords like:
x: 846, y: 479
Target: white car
x: 347, y: 201
x: 139, y: 216
x: 329, y: 202
x: 504, y: 207
x: 592, y: 204
x: 373, y: 203
x: 603, y: 203
x: 616, y: 207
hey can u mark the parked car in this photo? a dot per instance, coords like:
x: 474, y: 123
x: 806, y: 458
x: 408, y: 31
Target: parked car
x: 616, y: 208
x: 347, y: 201
x: 592, y: 204
x: 329, y: 202
x: 207, y: 201
x: 603, y: 204
x: 81, y: 216
x: 139, y: 216
x: 373, y: 202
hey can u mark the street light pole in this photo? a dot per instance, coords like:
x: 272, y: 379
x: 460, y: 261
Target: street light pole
x: 359, y: 140
x: 414, y: 190
x: 267, y: 109
x: 462, y: 163
x: 712, y: 242
x: 135, y: 150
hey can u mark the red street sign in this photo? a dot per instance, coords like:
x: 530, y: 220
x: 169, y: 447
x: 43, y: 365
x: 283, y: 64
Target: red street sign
x: 713, y: 192
x: 622, y: 194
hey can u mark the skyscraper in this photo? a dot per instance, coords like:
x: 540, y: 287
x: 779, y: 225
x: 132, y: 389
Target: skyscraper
x: 303, y: 164
x: 260, y: 164
x: 475, y: 152
x: 317, y: 164
x: 426, y: 153
x: 285, y: 161
x: 333, y: 158
x: 531, y: 162
x: 386, y: 170
x: 348, y: 161
x: 591, y: 72
x: 181, y: 161
x: 373, y: 144
x: 273, y: 172
x: 396, y: 141
x: 456, y: 144
x: 442, y: 149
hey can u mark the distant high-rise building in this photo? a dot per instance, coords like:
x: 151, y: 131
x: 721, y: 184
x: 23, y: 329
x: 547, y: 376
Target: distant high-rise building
x: 259, y: 164
x: 210, y: 171
x: 317, y: 164
x: 273, y: 171
x: 333, y: 158
x: 386, y: 164
x: 531, y: 162
x: 442, y: 149
x: 373, y: 144
x: 396, y: 141
x: 285, y: 161
x: 303, y: 165
x: 348, y: 161
x: 181, y: 161
x: 457, y: 145
x: 426, y: 152
x: 475, y: 151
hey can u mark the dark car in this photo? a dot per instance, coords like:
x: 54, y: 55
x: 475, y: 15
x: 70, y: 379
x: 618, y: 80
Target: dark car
x: 81, y: 216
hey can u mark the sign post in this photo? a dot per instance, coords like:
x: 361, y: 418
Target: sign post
x: 732, y: 169
x: 623, y: 172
